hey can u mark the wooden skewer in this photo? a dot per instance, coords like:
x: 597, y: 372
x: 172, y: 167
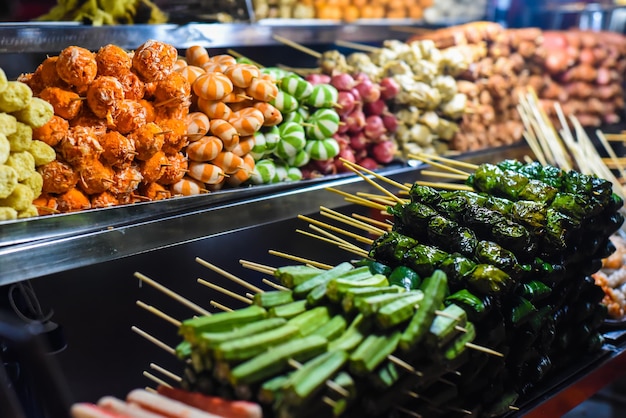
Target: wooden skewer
x: 372, y: 221
x: 159, y: 313
x: 360, y: 252
x: 220, y: 306
x: 338, y: 240
x: 336, y: 229
x: 351, y: 221
x: 224, y: 291
x: 483, y: 349
x: 172, y: 294
x: 448, y: 161
x: 615, y: 137
x: 274, y: 285
x: 156, y: 380
x: 373, y: 183
x: 448, y: 186
x: 154, y: 340
x: 381, y: 199
x: 228, y: 275
x: 431, y: 161
x: 401, y: 363
x: 297, y: 46
x: 356, y: 199
x: 513, y: 408
x: 394, y: 183
x: 366, y: 203
x: 249, y: 295
x: 258, y: 267
x: 329, y: 402
x: 357, y: 46
x: 301, y: 260
x: 312, y: 235
x: 166, y: 372
x: 609, y: 150
x: 441, y: 174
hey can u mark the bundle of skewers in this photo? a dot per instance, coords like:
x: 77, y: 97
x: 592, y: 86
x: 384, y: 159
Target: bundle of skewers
x: 464, y: 297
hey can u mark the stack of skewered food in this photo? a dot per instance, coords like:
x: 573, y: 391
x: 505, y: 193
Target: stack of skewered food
x: 473, y: 297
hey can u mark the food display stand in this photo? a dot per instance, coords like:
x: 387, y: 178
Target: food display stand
x: 81, y: 264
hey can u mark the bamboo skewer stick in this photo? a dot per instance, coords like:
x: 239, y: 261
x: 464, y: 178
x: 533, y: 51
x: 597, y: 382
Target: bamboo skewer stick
x: 159, y: 313
x: 224, y: 291
x: 400, y: 186
x: 448, y: 161
x: 156, y: 380
x: 372, y: 182
x: 165, y: 372
x: 447, y: 186
x: 274, y: 285
x: 357, y: 46
x: 218, y: 305
x: 354, y: 222
x: 360, y: 252
x: 257, y: 267
x: 319, y: 237
x: 301, y: 260
x: 609, y: 150
x: 381, y: 199
x: 615, y: 137
x: 441, y: 174
x: 383, y: 225
x: 432, y: 161
x: 356, y: 199
x: 335, y: 229
x: 228, y: 275
x: 172, y: 294
x: 154, y: 340
x: 297, y: 46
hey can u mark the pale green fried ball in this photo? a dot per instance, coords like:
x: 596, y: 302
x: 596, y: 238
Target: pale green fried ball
x: 16, y: 96
x: 3, y: 80
x: 8, y: 180
x: 7, y: 213
x: 22, y: 138
x: 42, y: 152
x: 29, y: 212
x: 5, y: 149
x: 23, y: 163
x: 35, y: 182
x: 36, y: 114
x: 21, y: 198
x: 8, y: 124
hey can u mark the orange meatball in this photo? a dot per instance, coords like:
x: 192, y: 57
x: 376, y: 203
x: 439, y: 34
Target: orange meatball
x: 87, y: 119
x: 133, y: 87
x: 77, y: 66
x: 150, y: 111
x: 175, y: 169
x: 58, y: 177
x: 154, y: 191
x: 172, y: 91
x: 154, y: 60
x: 117, y: 150
x: 66, y: 104
x: 148, y: 140
x: 104, y: 200
x: 95, y: 178
x: 104, y: 95
x: 130, y: 115
x: 113, y: 60
x: 175, y: 135
x: 73, y: 200
x: 47, y: 71
x: 152, y: 168
x: 80, y: 147
x: 125, y: 182
x: 53, y: 131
